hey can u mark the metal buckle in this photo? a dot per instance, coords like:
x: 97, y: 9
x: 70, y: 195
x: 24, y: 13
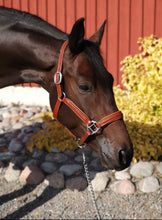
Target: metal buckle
x: 60, y: 78
x: 93, y: 127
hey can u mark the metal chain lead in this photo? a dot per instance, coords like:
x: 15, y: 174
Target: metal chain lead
x: 89, y: 182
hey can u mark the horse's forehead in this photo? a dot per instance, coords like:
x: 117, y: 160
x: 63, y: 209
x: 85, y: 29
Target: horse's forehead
x: 83, y: 65
x: 93, y: 68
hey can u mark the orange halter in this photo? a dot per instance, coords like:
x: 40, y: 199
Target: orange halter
x: 92, y: 126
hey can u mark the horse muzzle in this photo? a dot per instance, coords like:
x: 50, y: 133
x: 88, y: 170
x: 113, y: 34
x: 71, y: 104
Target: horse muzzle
x: 122, y: 159
x: 113, y: 155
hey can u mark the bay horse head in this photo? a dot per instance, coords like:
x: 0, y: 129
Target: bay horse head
x: 86, y: 84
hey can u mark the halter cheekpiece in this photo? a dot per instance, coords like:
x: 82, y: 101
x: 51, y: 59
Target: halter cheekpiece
x: 92, y: 126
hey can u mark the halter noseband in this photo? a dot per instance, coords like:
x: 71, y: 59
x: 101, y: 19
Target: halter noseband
x: 92, y: 126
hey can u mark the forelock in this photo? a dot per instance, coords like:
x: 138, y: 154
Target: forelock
x: 92, y: 52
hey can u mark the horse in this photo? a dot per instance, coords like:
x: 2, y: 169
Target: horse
x: 71, y: 69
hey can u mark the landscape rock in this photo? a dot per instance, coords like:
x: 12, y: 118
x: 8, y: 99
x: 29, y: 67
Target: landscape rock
x: 56, y: 157
x: 38, y: 154
x: 1, y: 118
x: 2, y: 165
x: 12, y: 174
x: 26, y: 129
x: 31, y: 175
x: 142, y: 169
x: 5, y: 124
x: 95, y: 164
x: 100, y: 181
x: 29, y: 162
x: 48, y: 167
x: 9, y: 136
x: 15, y: 145
x: 17, y: 125
x: 6, y: 156
x: 56, y: 180
x: 79, y: 159
x: 26, y: 138
x: 77, y: 183
x: 126, y: 187
x: 70, y: 153
x: 18, y: 160
x: 122, y: 175
x: 3, y: 142
x: 149, y: 184
x: 70, y: 169
x: 159, y: 168
x: 29, y: 114
x: 115, y: 186
x: 92, y: 174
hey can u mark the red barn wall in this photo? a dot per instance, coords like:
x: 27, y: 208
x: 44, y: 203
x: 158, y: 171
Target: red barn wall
x: 127, y: 20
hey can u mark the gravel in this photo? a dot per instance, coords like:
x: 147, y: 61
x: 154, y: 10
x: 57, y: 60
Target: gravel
x: 44, y: 202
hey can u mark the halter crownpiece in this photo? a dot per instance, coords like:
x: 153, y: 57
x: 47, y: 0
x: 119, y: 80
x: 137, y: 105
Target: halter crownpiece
x: 92, y: 126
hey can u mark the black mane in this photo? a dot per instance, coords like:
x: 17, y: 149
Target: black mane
x: 10, y: 17
x: 92, y: 52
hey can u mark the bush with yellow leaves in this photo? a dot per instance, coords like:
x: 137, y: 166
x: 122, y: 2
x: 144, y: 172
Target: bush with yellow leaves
x: 141, y: 103
x: 54, y: 135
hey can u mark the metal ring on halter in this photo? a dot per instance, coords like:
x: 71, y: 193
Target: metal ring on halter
x: 80, y: 145
x: 93, y: 127
x: 60, y: 78
x: 63, y: 95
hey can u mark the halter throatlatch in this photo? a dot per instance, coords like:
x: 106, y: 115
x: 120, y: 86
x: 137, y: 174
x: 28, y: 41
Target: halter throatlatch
x: 92, y: 126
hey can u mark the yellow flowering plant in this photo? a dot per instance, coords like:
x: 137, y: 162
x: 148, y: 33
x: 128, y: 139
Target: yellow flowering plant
x: 54, y: 135
x: 141, y: 103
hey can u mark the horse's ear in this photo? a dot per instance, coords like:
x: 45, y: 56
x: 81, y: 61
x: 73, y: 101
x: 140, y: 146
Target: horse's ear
x: 76, y: 36
x: 97, y: 36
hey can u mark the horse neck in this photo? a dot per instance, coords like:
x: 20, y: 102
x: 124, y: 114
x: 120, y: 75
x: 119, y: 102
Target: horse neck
x: 27, y: 57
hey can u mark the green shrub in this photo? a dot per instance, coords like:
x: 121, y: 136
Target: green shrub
x: 141, y: 103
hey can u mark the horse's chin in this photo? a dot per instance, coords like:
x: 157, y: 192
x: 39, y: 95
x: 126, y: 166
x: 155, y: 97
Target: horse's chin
x: 110, y: 165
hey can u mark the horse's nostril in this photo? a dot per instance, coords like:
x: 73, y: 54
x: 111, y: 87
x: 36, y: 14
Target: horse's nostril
x: 122, y: 157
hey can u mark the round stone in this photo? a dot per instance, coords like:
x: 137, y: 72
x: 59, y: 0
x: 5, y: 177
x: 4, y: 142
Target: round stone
x: 79, y: 183
x: 48, y: 167
x: 12, y: 174
x: 31, y: 175
x: 159, y: 168
x: 100, y: 181
x: 70, y: 169
x: 56, y: 157
x: 56, y: 180
x: 26, y: 129
x: 122, y: 175
x: 142, y: 169
x: 15, y: 145
x: 149, y: 184
x: 126, y: 187
x: 3, y: 142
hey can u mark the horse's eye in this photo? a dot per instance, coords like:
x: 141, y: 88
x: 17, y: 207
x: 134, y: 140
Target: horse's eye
x: 85, y: 88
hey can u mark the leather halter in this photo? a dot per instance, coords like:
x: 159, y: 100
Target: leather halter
x: 92, y: 126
